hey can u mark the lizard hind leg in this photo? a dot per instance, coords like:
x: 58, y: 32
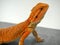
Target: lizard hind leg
x: 38, y: 39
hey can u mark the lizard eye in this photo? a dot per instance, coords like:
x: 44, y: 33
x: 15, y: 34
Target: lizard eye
x: 41, y: 8
x: 36, y: 16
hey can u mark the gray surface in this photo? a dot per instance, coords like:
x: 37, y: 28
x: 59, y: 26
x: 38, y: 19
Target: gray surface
x: 50, y: 36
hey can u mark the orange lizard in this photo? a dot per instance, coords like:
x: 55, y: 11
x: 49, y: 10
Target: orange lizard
x: 23, y: 29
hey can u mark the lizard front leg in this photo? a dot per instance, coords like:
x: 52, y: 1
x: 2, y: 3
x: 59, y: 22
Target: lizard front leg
x: 33, y: 26
x: 27, y: 32
x: 38, y: 39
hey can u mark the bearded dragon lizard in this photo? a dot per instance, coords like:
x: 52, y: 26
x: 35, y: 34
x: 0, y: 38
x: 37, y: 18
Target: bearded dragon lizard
x: 23, y: 29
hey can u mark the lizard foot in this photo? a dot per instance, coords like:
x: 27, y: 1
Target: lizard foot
x: 39, y: 39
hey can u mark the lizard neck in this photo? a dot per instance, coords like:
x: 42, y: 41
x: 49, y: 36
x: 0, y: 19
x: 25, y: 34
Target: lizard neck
x: 27, y: 22
x: 24, y: 24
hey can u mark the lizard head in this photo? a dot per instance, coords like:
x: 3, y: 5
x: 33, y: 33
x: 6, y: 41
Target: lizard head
x: 37, y: 13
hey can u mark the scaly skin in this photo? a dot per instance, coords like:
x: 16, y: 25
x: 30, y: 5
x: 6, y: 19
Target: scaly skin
x: 22, y: 30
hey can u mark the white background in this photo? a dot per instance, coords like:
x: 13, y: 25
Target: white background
x: 16, y: 11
